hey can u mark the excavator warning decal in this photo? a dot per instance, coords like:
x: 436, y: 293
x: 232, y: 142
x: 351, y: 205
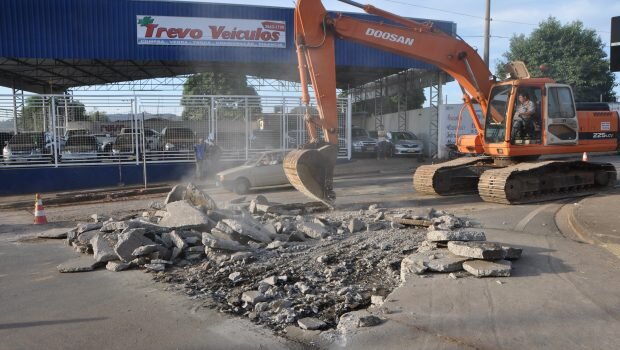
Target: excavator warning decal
x: 605, y: 126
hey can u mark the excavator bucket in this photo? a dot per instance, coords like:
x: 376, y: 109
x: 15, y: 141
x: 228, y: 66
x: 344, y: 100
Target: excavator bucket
x: 311, y: 171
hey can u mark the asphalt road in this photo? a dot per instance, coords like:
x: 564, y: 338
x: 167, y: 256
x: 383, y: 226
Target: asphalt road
x: 563, y: 294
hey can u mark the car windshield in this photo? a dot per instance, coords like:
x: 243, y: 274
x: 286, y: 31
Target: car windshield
x: 77, y: 132
x: 181, y: 133
x: 81, y: 141
x: 402, y: 136
x: 358, y: 132
x: 253, y: 158
x: 23, y: 139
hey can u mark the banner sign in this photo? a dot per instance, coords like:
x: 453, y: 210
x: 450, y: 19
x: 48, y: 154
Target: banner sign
x: 198, y: 31
x: 447, y: 123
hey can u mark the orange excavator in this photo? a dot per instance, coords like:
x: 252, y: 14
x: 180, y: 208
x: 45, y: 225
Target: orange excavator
x: 524, y: 118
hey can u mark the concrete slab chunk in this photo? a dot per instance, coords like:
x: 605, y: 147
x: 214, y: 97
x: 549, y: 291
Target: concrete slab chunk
x: 310, y: 323
x: 253, y: 296
x: 54, y: 233
x: 116, y: 266
x: 177, y: 240
x: 176, y: 194
x: 212, y: 242
x: 477, y: 250
x: 248, y: 231
x: 313, y: 230
x: 80, y: 264
x: 128, y: 241
x: 483, y: 268
x: 183, y: 214
x: 459, y: 235
x: 102, y: 249
x: 356, y: 225
x: 446, y: 263
x: 198, y: 197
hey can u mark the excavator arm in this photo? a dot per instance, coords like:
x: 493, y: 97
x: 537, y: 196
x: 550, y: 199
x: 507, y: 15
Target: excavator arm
x: 310, y: 169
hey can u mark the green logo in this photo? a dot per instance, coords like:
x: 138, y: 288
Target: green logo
x: 146, y: 21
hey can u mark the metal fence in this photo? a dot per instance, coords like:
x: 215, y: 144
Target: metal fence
x: 60, y: 130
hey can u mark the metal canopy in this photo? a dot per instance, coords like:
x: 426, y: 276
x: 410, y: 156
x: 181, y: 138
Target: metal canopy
x: 59, y: 75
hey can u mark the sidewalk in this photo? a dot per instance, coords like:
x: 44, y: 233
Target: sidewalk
x: 597, y: 219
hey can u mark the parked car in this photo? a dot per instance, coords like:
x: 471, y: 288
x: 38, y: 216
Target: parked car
x: 126, y: 144
x: 263, y: 169
x: 80, y: 147
x: 29, y: 146
x: 152, y: 138
x: 362, y: 142
x: 405, y: 143
x: 178, y: 139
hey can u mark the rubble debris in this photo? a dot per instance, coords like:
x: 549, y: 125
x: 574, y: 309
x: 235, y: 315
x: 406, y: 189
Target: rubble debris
x: 477, y: 250
x: 79, y: 264
x: 283, y: 264
x: 483, y: 268
x: 409, y: 222
x: 116, y: 266
x: 356, y: 225
x: 458, y: 235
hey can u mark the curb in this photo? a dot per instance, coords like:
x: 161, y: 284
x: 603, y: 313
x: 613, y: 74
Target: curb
x: 69, y: 198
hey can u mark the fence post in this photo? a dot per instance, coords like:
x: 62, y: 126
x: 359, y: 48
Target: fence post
x: 14, y: 112
x: 349, y: 126
x: 247, y: 128
x: 54, y: 132
x: 135, y: 128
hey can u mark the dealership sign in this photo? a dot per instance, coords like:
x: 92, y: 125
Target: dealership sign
x: 197, y: 31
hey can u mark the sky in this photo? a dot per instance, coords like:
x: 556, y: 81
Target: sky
x: 508, y: 17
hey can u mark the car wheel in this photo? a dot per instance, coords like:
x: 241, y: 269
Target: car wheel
x: 241, y: 186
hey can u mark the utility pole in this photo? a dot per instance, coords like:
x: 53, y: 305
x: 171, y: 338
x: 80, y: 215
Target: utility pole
x: 487, y: 30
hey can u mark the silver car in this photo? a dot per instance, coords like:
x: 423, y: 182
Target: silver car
x: 405, y: 143
x: 362, y: 142
x: 261, y: 170
x: 80, y: 148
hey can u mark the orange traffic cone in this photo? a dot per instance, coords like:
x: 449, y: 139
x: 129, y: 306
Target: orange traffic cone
x: 39, y: 212
x: 585, y: 157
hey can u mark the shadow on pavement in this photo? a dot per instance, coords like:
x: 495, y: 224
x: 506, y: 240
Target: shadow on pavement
x: 48, y: 323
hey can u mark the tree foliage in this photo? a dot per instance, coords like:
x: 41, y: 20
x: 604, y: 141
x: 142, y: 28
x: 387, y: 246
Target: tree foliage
x: 210, y: 83
x: 570, y: 53
x: 415, y: 99
x: 37, y: 111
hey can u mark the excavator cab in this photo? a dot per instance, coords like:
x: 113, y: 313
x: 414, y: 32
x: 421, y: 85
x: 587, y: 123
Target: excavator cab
x: 553, y: 121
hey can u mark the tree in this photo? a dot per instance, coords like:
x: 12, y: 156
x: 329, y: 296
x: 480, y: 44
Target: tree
x: 210, y: 83
x: 570, y: 54
x: 98, y: 116
x: 37, y: 111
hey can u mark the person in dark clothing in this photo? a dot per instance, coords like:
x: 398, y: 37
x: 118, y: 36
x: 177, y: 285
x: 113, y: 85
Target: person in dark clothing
x: 200, y: 150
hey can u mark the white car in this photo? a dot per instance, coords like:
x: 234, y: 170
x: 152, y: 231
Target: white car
x: 264, y: 169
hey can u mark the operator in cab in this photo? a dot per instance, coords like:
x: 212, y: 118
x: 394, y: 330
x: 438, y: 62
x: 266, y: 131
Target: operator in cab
x: 522, y: 123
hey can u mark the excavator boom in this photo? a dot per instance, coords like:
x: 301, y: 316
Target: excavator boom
x: 310, y: 168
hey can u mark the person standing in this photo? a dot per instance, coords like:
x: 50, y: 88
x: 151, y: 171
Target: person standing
x: 200, y: 151
x: 381, y: 143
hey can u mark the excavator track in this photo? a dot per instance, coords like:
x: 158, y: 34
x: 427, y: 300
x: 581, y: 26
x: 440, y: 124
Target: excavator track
x: 457, y: 176
x: 543, y: 181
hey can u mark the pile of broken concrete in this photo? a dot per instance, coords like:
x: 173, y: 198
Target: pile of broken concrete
x: 454, y: 251
x: 282, y: 264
